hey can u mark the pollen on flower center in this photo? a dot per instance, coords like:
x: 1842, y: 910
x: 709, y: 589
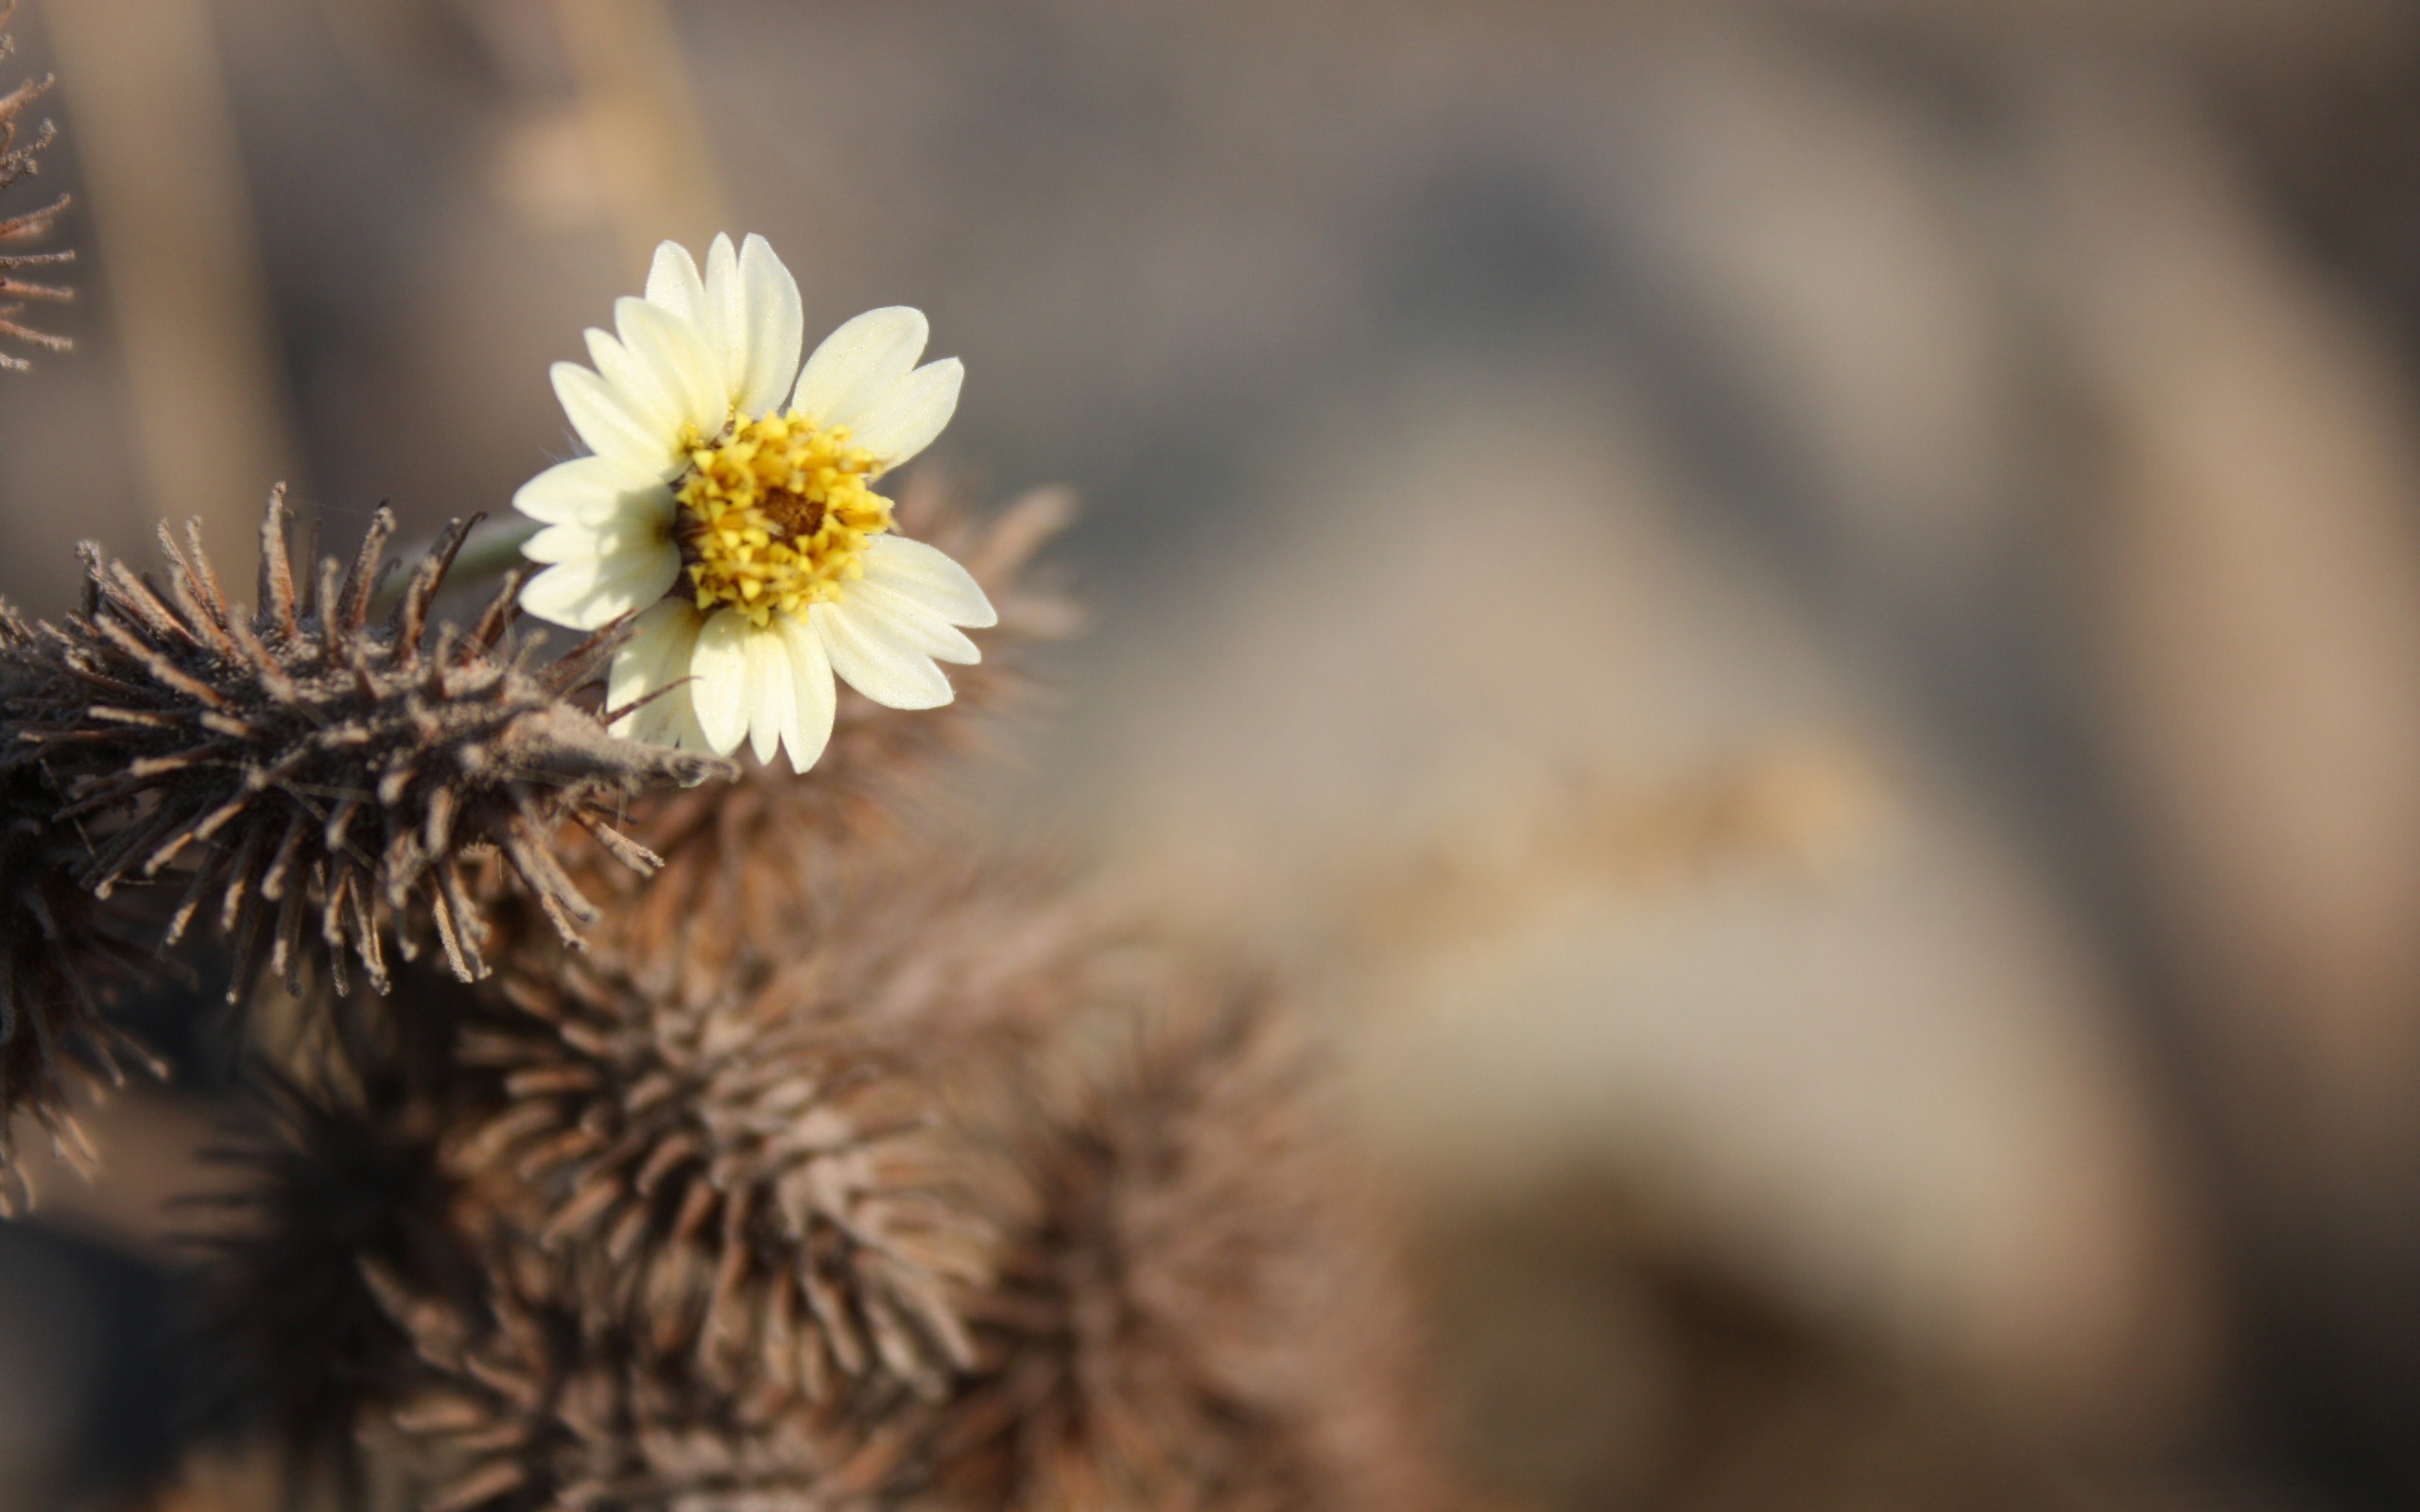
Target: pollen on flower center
x: 775, y: 515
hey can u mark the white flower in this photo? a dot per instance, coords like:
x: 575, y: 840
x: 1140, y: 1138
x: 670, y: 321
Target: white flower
x: 743, y: 529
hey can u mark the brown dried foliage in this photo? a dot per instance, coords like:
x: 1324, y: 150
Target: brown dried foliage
x: 532, y: 1400
x: 22, y: 159
x: 1172, y: 1294
x: 60, y: 950
x: 1198, y: 1309
x: 378, y: 1318
x: 762, y: 1195
x: 852, y: 1165
x: 320, y: 780
x: 340, y: 1183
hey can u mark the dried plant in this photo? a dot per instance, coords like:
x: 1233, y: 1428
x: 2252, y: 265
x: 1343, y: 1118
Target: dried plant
x: 371, y: 1315
x: 762, y: 1195
x: 849, y: 1163
x: 340, y: 1182
x: 762, y: 1221
x: 315, y: 779
x: 925, y: 1221
x: 21, y: 159
x: 1086, y: 1265
x: 1195, y: 1311
x: 527, y: 1403
x: 60, y: 948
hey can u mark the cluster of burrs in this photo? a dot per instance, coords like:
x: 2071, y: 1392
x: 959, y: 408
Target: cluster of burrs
x: 640, y: 1130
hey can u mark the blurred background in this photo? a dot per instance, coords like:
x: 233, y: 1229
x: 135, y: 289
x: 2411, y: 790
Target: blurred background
x: 1801, y: 619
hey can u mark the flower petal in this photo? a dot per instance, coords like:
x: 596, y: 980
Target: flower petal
x: 775, y: 325
x: 680, y: 359
x: 772, y: 695
x: 673, y: 284
x: 927, y: 575
x: 611, y: 426
x: 813, y: 697
x: 719, y: 662
x: 721, y: 319
x: 914, y: 623
x: 904, y: 419
x: 596, y: 590
x: 860, y: 362
x: 869, y: 656
x: 656, y: 657
x: 592, y: 492
x: 648, y: 393
x: 616, y: 536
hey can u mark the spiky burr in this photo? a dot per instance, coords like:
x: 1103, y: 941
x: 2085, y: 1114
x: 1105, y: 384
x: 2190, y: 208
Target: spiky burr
x: 319, y: 781
x: 61, y: 950
x: 737, y: 1243
x: 339, y: 1182
x: 19, y: 160
x: 768, y: 1196
x: 382, y: 1322
x: 530, y: 1401
x: 1197, y: 1308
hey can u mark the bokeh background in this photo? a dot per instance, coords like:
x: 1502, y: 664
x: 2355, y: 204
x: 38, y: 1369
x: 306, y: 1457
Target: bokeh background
x: 1800, y: 620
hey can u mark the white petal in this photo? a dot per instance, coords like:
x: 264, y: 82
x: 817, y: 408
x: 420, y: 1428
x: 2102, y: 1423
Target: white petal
x: 904, y: 419
x: 596, y: 590
x: 648, y: 394
x: 772, y: 697
x: 860, y: 362
x: 635, y: 530
x: 774, y: 326
x: 715, y: 318
x: 927, y: 575
x: 876, y: 663
x: 611, y: 427
x: 914, y: 623
x: 681, y: 360
x: 813, y: 697
x: 657, y: 656
x: 559, y: 543
x: 673, y: 283
x: 592, y: 492
x: 719, y: 662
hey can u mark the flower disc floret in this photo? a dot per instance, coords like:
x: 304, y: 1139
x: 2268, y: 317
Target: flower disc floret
x: 776, y: 516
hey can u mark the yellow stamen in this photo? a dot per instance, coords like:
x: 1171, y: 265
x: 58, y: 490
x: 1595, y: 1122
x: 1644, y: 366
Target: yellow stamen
x: 775, y: 515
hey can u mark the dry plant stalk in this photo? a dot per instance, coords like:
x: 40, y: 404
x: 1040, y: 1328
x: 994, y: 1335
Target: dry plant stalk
x: 22, y: 159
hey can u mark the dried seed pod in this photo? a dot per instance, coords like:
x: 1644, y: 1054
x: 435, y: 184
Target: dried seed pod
x: 1197, y: 1308
x: 19, y: 159
x: 386, y: 1322
x: 60, y: 949
x: 314, y: 779
x: 339, y: 1182
x: 528, y: 1401
x: 768, y: 1202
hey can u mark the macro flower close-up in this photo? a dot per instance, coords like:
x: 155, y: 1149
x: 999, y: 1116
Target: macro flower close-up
x: 1631, y: 757
x: 727, y: 503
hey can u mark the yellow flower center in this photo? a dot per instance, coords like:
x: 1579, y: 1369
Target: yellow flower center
x: 775, y: 515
